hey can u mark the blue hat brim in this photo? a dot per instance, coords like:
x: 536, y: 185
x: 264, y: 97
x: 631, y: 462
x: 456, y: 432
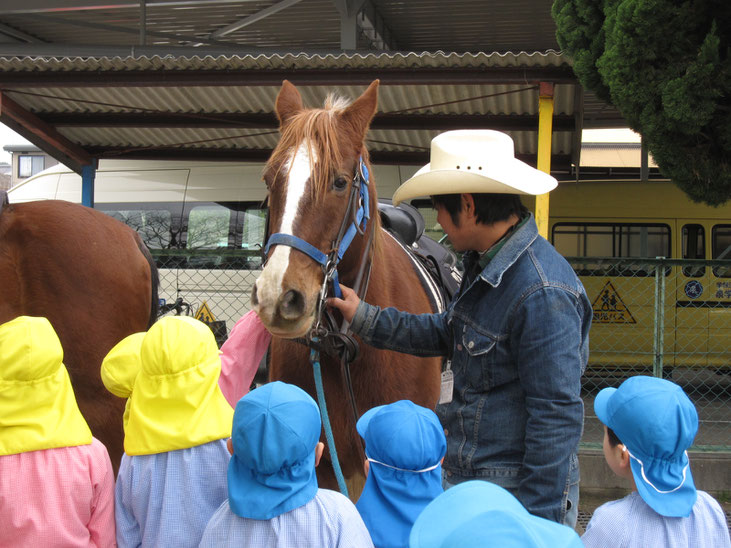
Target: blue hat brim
x: 362, y: 425
x: 601, y: 404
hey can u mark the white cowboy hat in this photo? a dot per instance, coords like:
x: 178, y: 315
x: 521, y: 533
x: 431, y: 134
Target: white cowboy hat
x: 474, y: 160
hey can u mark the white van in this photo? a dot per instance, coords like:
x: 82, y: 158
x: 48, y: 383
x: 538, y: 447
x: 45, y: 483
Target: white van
x: 204, y: 222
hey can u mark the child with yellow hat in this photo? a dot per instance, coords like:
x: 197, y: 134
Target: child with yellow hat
x: 56, y: 480
x: 172, y: 476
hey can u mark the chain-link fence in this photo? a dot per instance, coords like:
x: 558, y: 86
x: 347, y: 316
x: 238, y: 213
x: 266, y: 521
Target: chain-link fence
x: 212, y: 285
x: 659, y: 317
x: 667, y: 318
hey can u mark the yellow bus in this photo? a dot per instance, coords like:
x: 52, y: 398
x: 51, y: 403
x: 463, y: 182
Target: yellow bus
x: 612, y: 233
x: 625, y: 223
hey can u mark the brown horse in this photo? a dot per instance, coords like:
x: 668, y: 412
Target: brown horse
x: 94, y: 280
x: 310, y: 176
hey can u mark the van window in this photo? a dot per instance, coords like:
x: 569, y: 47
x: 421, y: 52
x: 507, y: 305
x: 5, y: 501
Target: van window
x: 613, y: 240
x: 208, y: 227
x: 153, y: 225
x: 694, y: 247
x: 721, y: 249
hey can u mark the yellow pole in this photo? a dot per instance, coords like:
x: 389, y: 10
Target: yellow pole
x: 545, y: 128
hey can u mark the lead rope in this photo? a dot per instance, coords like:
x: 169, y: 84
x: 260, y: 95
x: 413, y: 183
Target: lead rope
x: 315, y: 359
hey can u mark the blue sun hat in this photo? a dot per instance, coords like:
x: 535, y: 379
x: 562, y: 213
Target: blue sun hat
x: 276, y: 428
x: 404, y: 444
x: 656, y: 422
x: 478, y: 514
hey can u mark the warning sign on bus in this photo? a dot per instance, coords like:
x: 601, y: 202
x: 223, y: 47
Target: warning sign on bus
x: 609, y: 308
x: 204, y: 313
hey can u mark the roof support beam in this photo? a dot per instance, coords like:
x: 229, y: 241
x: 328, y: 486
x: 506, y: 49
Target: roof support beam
x: 374, y: 27
x: 348, y: 10
x: 279, y: 6
x: 560, y: 162
x: 301, y: 77
x: 442, y: 122
x: 45, y: 137
x: 49, y: 6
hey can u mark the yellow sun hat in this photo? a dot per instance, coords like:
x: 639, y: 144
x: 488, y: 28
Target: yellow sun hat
x: 38, y: 409
x: 176, y: 402
x: 120, y: 368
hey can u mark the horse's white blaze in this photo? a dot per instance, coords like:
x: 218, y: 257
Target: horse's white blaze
x: 298, y: 168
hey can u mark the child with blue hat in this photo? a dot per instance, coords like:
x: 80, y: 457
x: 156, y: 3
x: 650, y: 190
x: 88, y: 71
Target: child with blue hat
x: 273, y: 496
x: 404, y: 446
x: 481, y: 514
x: 649, y: 423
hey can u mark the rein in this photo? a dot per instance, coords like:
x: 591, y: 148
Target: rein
x: 325, y: 336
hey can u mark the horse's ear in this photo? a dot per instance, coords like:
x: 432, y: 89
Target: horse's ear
x: 361, y: 112
x: 289, y: 102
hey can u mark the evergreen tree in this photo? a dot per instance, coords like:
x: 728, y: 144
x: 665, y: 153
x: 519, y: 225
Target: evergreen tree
x: 666, y: 65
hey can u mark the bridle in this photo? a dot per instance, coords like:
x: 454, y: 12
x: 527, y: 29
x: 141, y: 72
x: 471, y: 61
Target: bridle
x: 325, y: 335
x: 355, y: 221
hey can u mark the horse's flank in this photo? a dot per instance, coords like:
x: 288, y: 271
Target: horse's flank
x: 95, y: 281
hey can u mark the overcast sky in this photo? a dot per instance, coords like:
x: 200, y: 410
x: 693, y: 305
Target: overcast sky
x: 9, y: 137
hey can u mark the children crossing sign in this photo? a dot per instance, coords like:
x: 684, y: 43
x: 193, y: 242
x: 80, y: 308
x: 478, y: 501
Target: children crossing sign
x: 609, y: 308
x: 204, y: 313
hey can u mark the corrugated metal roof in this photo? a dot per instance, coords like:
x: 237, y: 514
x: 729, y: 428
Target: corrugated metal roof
x: 124, y: 106
x: 288, y: 61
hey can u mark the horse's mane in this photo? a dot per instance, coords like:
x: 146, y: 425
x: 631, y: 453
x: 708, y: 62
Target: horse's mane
x: 318, y: 127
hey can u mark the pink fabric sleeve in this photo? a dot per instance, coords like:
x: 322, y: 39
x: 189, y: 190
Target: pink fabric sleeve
x: 240, y: 356
x: 101, y: 524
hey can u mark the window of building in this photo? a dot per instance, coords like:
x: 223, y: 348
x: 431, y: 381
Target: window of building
x: 30, y: 165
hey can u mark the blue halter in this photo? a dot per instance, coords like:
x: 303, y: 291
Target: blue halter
x: 330, y: 262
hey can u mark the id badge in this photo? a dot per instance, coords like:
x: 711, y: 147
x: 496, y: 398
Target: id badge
x: 447, y: 386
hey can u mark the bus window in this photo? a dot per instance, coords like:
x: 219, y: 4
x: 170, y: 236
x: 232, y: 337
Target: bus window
x: 153, y: 225
x: 721, y: 249
x: 615, y: 240
x: 694, y: 247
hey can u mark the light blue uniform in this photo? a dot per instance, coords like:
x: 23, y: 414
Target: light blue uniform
x: 631, y: 523
x: 166, y: 499
x: 328, y: 520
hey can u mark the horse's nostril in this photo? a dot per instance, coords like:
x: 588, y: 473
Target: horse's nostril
x: 254, y: 298
x: 292, y: 305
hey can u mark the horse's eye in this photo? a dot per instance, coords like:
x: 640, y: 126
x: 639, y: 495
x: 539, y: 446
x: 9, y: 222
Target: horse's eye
x: 340, y: 183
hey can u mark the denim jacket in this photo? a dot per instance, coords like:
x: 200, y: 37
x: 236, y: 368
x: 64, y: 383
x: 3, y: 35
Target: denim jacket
x: 517, y: 335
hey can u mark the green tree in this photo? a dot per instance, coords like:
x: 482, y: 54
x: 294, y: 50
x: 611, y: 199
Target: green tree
x: 666, y: 65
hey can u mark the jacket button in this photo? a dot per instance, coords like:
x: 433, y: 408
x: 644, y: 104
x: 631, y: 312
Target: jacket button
x: 449, y: 473
x: 459, y: 347
x: 446, y: 432
x: 471, y: 344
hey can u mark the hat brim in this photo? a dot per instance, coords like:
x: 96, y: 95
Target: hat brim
x: 512, y: 177
x: 664, y: 498
x: 362, y: 425
x: 601, y: 403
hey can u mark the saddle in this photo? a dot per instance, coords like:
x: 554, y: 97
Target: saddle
x: 406, y: 224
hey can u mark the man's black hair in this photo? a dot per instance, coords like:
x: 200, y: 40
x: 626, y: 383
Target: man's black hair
x: 489, y: 208
x: 614, y: 441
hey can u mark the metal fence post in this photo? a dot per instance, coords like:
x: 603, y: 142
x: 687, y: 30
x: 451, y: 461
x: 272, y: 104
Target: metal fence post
x: 658, y: 343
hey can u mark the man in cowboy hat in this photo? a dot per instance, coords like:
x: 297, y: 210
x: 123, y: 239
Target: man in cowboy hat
x: 517, y: 332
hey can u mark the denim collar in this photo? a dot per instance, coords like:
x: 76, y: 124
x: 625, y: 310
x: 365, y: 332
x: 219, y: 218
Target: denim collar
x: 513, y: 247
